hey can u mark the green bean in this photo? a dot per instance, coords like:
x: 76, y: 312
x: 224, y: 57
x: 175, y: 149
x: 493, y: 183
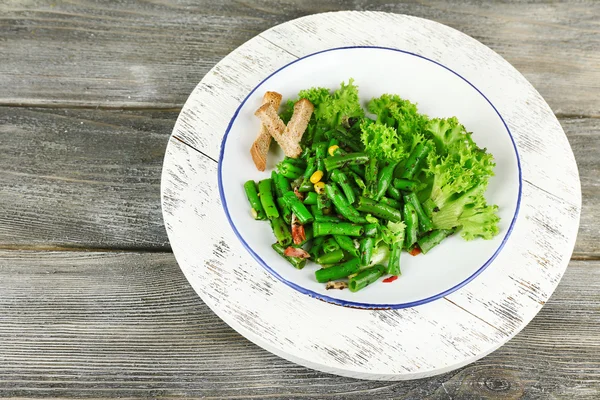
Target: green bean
x: 308, y: 232
x: 366, y: 250
x: 289, y: 171
x: 286, y: 213
x: 265, y: 190
x: 365, y: 277
x: 411, y: 219
x: 428, y: 242
x: 307, y: 138
x: 391, y: 202
x: 298, y: 263
x: 282, y: 185
x: 346, y: 140
x: 318, y: 137
x: 341, y: 204
x: 331, y: 257
x: 415, y: 161
x: 424, y: 221
x: 357, y: 192
x: 299, y: 209
x: 258, y: 211
x: 334, y: 162
x: 346, y: 244
x: 394, y: 193
x: 320, y: 217
x: 306, y: 186
x: 405, y: 184
x: 317, y: 246
x: 311, y: 167
x: 371, y: 230
x: 384, y: 179
x: 320, y: 153
x: 393, y: 267
x: 297, y: 162
x: 341, y: 228
x: 337, y: 271
x: 281, y: 231
x: 357, y: 169
x: 311, y: 198
x: 306, y: 149
x: 358, y: 180
x: 323, y: 202
x: 379, y: 209
x: 342, y: 179
x: 371, y: 172
x: 330, y: 245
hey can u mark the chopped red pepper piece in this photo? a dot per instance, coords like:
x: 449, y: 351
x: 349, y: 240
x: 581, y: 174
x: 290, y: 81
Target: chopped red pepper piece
x: 415, y: 251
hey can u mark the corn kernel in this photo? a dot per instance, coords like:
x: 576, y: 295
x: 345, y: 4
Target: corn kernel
x: 319, y: 187
x: 316, y: 177
x: 332, y: 149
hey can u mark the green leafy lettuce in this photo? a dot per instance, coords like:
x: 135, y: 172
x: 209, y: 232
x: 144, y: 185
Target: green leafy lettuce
x: 461, y: 173
x: 331, y: 108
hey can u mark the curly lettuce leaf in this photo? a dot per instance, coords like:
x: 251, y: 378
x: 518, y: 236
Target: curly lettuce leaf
x: 458, y: 172
x: 401, y: 115
x: 343, y: 104
x: 448, y: 134
x: 382, y: 141
x: 330, y: 108
x: 471, y: 214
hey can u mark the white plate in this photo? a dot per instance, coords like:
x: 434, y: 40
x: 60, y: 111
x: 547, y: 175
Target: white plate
x: 406, y: 343
x: 439, y: 92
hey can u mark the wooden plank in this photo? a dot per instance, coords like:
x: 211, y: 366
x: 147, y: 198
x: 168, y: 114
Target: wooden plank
x: 584, y: 137
x: 153, y: 54
x: 104, y: 177
x: 80, y: 324
x: 82, y: 178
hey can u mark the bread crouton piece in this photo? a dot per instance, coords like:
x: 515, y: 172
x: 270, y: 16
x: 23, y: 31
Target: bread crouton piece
x: 260, y: 147
x: 288, y: 137
x: 303, y: 110
x: 276, y: 128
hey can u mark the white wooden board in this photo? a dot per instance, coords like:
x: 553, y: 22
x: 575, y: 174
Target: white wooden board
x: 375, y: 344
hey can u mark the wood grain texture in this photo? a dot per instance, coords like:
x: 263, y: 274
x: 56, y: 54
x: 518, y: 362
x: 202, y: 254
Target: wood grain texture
x: 82, y: 178
x: 152, y: 54
x: 35, y: 162
x: 144, y: 333
x: 104, y: 325
x: 584, y: 137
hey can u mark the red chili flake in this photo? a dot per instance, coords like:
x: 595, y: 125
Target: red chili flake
x: 415, y: 251
x: 390, y: 279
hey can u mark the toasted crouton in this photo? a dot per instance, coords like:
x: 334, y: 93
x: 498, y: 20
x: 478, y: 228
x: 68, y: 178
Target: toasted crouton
x: 260, y: 147
x: 303, y: 110
x: 276, y: 128
x: 288, y: 137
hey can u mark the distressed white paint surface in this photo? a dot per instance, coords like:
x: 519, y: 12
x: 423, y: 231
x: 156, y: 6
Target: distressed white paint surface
x: 400, y: 344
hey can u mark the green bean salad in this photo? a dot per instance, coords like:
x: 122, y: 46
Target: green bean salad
x: 369, y: 185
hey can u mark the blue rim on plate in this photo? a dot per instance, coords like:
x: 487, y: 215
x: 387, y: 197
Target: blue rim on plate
x: 353, y: 303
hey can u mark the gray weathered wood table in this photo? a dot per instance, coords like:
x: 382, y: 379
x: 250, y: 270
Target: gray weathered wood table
x: 92, y: 302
